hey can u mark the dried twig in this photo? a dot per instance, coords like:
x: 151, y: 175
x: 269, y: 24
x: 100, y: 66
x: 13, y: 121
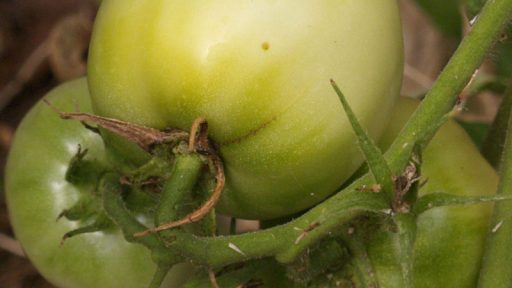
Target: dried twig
x: 213, y: 280
x: 144, y: 137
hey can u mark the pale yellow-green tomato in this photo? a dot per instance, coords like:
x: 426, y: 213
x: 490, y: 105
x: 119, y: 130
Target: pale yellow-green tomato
x: 259, y: 72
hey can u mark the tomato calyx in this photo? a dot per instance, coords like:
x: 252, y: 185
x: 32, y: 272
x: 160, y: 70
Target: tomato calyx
x: 150, y: 140
x: 85, y: 172
x: 179, y: 185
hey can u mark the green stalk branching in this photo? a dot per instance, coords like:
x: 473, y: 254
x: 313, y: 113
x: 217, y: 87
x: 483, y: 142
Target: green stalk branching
x: 376, y: 162
x: 184, y: 177
x: 440, y: 100
x: 285, y: 242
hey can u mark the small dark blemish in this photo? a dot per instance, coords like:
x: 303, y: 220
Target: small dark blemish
x: 265, y: 46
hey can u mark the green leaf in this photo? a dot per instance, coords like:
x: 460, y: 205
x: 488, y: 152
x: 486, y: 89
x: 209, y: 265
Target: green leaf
x: 440, y: 199
x: 376, y: 162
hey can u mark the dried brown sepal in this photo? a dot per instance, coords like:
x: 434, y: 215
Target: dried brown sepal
x: 144, y: 137
x: 403, y: 184
x: 198, y: 139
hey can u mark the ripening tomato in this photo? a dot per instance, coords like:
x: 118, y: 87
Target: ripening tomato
x: 259, y: 72
x: 37, y: 192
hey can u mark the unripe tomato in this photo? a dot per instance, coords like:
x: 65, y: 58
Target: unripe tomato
x: 259, y: 72
x: 37, y: 192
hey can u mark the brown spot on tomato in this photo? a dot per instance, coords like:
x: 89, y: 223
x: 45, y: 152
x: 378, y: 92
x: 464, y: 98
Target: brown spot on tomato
x: 265, y: 46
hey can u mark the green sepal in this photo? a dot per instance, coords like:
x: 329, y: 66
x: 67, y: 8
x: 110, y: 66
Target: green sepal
x: 152, y: 172
x: 440, y: 199
x: 101, y: 223
x: 82, y: 171
x: 376, y: 162
x: 85, y: 208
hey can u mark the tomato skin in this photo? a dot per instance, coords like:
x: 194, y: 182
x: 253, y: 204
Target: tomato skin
x: 450, y: 240
x: 259, y: 72
x: 37, y: 192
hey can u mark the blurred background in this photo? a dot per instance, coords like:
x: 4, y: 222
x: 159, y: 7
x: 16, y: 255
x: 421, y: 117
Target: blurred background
x: 43, y: 43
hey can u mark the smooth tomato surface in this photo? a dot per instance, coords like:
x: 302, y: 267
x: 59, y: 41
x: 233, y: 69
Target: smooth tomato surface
x: 37, y: 193
x: 259, y: 72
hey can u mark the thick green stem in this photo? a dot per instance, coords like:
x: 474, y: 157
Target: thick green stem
x: 187, y: 168
x: 493, y: 145
x: 497, y: 260
x: 440, y: 100
x: 362, y: 265
x: 288, y: 241
x: 406, y: 224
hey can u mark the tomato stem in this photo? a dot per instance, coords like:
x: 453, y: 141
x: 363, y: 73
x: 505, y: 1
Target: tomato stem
x: 440, y: 100
x: 406, y: 224
x: 363, y: 267
x: 285, y: 242
x: 184, y: 177
x: 498, y: 256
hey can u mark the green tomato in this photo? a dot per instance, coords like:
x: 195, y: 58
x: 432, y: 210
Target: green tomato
x: 259, y: 72
x: 37, y: 193
x: 450, y: 240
